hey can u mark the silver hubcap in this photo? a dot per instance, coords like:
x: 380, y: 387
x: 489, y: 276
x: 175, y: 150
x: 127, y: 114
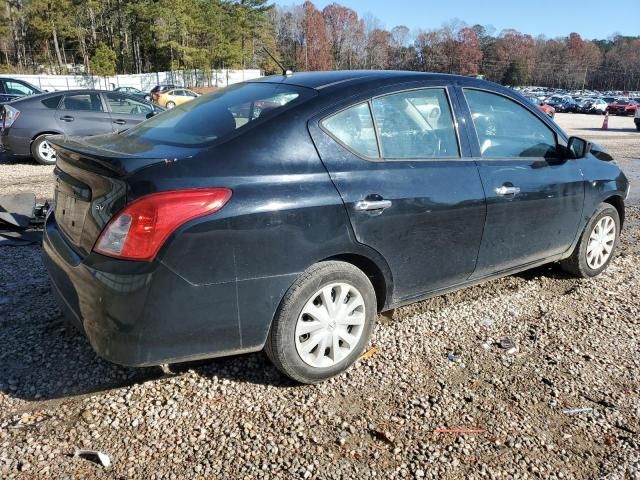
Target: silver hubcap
x: 330, y: 325
x: 601, y: 241
x: 46, y: 152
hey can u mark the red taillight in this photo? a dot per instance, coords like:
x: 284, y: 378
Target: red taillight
x: 138, y: 231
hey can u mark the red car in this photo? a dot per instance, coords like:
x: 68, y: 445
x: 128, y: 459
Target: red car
x: 623, y: 106
x: 547, y: 109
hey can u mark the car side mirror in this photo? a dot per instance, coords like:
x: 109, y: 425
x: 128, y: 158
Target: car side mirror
x: 578, y: 147
x: 150, y: 114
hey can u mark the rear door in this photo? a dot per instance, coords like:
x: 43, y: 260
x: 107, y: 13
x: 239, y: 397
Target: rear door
x: 126, y: 111
x: 83, y: 114
x: 534, y: 196
x: 411, y: 191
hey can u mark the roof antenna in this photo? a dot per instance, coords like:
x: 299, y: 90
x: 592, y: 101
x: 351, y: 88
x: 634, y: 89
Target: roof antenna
x: 285, y: 72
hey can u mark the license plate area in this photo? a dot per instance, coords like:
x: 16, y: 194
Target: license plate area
x: 70, y: 215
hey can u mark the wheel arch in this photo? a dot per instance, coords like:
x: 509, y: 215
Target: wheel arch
x: 39, y: 134
x: 617, y: 202
x: 380, y: 276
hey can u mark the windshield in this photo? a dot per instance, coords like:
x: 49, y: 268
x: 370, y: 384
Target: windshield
x: 210, y: 117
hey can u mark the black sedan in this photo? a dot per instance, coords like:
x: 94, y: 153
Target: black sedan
x: 563, y: 104
x: 218, y: 228
x: 134, y: 92
x: 12, y: 88
x: 26, y: 123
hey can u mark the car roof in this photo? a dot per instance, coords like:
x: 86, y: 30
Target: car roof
x: 322, y: 80
x: 44, y: 96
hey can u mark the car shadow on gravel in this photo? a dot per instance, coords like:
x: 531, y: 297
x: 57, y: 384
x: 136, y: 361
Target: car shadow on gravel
x: 551, y: 270
x: 50, y: 360
x: 43, y: 357
x: 6, y: 159
x: 58, y: 362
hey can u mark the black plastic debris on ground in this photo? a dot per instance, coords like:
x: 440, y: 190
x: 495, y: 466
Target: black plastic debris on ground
x: 19, y: 214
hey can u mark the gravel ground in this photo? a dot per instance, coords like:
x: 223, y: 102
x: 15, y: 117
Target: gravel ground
x: 437, y: 365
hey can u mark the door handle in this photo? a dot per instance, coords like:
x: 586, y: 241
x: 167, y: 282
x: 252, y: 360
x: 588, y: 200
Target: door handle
x: 505, y: 190
x: 67, y: 118
x: 120, y: 122
x: 366, y: 205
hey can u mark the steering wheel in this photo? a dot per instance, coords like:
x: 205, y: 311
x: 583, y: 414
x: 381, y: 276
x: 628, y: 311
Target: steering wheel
x: 136, y: 110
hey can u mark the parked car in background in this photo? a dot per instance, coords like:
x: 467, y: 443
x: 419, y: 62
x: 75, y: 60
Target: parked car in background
x: 636, y: 119
x: 547, y: 109
x: 175, y: 97
x: 563, y: 104
x: 155, y: 92
x: 11, y: 89
x: 134, y: 92
x: 623, y: 106
x: 584, y: 105
x: 290, y: 229
x: 598, y: 106
x: 28, y: 121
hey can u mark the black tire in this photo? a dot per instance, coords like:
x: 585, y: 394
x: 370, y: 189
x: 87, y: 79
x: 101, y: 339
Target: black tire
x: 281, y: 342
x: 35, y: 151
x: 170, y: 105
x: 638, y: 127
x: 577, y: 264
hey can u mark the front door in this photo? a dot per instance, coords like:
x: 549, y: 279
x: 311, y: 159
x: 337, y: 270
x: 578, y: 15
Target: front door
x: 534, y: 193
x: 409, y: 189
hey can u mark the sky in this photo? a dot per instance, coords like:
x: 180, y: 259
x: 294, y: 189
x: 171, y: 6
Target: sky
x: 592, y: 19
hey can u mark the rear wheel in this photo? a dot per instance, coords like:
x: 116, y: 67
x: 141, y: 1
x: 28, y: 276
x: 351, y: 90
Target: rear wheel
x: 323, y: 323
x: 597, y: 244
x: 42, y: 151
x: 171, y: 104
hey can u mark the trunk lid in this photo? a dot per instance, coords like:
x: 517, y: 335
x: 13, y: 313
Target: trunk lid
x: 91, y: 183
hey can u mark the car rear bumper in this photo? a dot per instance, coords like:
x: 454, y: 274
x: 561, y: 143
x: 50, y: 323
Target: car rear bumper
x: 137, y: 313
x: 14, y: 144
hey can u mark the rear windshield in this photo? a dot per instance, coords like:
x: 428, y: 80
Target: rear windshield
x: 210, y: 117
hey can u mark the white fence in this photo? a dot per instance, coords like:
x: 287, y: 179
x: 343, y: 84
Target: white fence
x: 143, y: 81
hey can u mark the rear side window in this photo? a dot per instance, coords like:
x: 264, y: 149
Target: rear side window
x: 210, y: 117
x: 416, y: 124
x: 17, y: 88
x: 354, y: 128
x: 52, y: 102
x: 89, y: 102
x: 127, y: 105
x: 505, y: 129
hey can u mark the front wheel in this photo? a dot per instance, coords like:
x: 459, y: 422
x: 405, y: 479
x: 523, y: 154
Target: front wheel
x: 42, y: 152
x: 597, y: 244
x: 323, y: 323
